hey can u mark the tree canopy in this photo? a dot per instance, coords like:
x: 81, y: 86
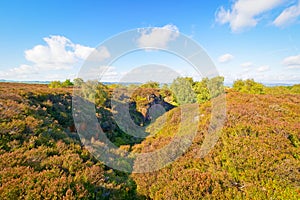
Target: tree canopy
x: 183, y: 91
x: 249, y: 86
x: 59, y: 84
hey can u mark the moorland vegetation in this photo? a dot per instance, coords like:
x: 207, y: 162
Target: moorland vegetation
x: 257, y: 155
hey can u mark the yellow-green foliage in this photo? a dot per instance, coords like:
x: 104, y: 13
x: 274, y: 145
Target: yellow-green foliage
x: 295, y: 89
x: 249, y: 86
x: 150, y: 84
x: 183, y: 91
x: 95, y: 91
x: 58, y: 84
x: 186, y: 90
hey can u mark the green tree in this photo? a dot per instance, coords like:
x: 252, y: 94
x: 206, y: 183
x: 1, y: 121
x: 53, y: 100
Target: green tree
x: 165, y: 91
x: 238, y: 85
x: 183, y: 91
x: 150, y: 84
x: 55, y: 84
x: 216, y: 86
x: 67, y: 83
x: 201, y: 90
x: 93, y: 90
x: 58, y: 84
x: 249, y: 86
x: 78, y: 82
x: 208, y: 88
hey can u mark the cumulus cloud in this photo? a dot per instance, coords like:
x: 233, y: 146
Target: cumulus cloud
x: 263, y: 68
x: 59, y: 53
x: 225, y: 58
x: 244, y: 13
x: 53, y: 55
x: 288, y: 16
x: 99, y: 54
x: 157, y: 37
x: 82, y: 52
x: 292, y: 62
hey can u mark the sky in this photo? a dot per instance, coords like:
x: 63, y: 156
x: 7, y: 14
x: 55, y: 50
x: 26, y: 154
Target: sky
x: 50, y: 40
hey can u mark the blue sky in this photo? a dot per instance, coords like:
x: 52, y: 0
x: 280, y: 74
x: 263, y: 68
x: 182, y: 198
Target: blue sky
x: 49, y: 40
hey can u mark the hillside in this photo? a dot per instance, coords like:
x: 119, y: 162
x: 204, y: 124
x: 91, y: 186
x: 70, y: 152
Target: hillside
x: 41, y: 157
x: 257, y: 155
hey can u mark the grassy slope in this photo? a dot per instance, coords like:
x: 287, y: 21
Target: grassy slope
x: 256, y: 157
x: 41, y: 159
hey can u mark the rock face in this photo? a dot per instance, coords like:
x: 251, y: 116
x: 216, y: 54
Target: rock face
x: 144, y: 104
x: 154, y: 107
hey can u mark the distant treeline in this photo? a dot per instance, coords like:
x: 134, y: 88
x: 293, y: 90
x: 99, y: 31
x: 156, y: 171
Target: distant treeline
x: 251, y: 87
x: 183, y: 89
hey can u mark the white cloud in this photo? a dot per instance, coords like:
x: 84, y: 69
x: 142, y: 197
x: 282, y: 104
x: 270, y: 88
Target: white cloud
x: 157, y: 37
x: 225, y: 58
x: 245, y: 13
x: 263, y: 68
x: 53, y: 55
x: 288, y: 16
x: 30, y: 73
x: 22, y: 72
x: 284, y: 76
x: 82, y: 52
x: 24, y: 69
x: 99, y: 54
x: 58, y: 53
x: 247, y: 64
x: 292, y: 62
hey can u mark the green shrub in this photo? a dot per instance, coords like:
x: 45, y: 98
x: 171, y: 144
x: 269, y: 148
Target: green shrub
x: 95, y: 91
x: 150, y: 84
x: 55, y: 84
x: 78, y: 82
x: 58, y: 84
x: 67, y: 83
x: 248, y: 86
